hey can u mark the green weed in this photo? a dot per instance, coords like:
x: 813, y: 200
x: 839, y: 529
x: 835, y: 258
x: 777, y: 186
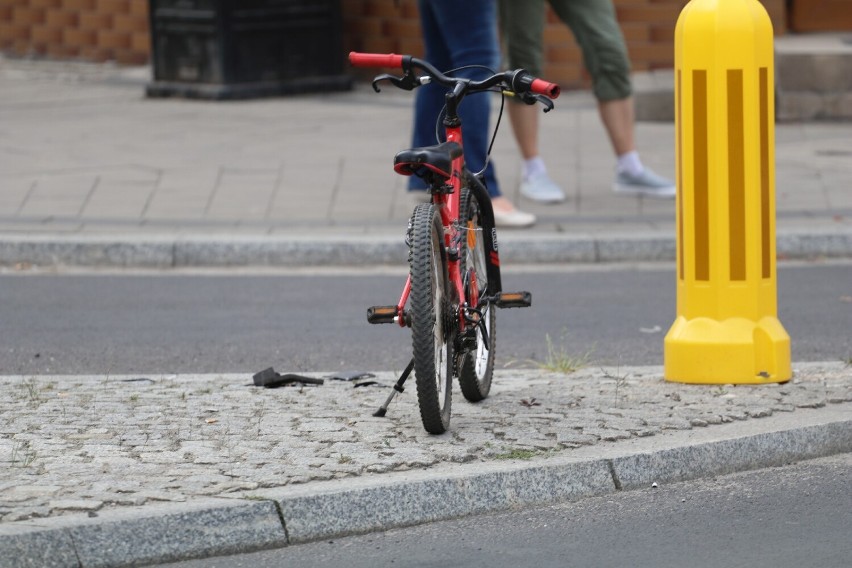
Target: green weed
x: 620, y: 382
x: 559, y: 360
x: 31, y: 392
x: 21, y: 453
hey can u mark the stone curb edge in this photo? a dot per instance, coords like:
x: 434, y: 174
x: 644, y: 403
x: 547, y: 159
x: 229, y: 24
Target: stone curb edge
x: 240, y: 251
x: 219, y: 526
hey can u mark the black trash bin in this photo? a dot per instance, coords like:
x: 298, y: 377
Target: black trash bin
x: 231, y: 49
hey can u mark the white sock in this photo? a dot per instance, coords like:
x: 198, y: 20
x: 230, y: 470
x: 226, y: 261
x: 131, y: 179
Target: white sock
x: 630, y: 163
x: 534, y: 167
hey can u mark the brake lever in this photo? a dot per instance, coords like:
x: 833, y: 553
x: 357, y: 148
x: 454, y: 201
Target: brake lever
x: 533, y: 98
x: 546, y: 102
x: 527, y: 98
x: 408, y: 82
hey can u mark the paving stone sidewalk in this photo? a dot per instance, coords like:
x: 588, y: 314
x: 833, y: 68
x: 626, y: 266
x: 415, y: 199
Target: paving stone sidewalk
x: 94, y: 174
x: 84, y: 444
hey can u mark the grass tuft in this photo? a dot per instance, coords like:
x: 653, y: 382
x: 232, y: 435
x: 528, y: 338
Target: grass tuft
x: 559, y: 360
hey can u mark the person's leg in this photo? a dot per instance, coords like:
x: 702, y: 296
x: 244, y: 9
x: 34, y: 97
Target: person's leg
x: 617, y: 117
x: 594, y: 25
x: 535, y: 181
x: 524, y: 120
x: 522, y: 25
x: 465, y: 33
x: 429, y: 99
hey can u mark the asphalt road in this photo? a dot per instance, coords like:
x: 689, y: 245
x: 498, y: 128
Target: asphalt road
x: 786, y: 517
x: 174, y: 322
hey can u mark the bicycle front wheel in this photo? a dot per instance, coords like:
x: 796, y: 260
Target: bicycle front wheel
x: 477, y: 366
x: 431, y: 320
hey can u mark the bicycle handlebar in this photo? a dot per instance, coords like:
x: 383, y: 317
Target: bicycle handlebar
x: 518, y: 80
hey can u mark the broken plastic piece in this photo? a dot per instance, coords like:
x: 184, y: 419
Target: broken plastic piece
x: 268, y: 378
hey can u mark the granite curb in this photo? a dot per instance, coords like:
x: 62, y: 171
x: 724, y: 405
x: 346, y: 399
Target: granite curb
x: 276, y: 518
x: 154, y: 251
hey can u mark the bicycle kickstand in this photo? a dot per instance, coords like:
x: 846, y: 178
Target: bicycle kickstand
x: 397, y: 388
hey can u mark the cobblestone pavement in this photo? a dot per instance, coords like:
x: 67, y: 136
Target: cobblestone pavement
x: 89, y: 444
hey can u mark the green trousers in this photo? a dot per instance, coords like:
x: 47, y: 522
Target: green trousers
x: 595, y: 28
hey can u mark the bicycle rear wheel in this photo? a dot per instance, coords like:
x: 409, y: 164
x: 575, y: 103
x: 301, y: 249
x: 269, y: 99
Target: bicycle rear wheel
x: 477, y: 366
x: 431, y: 324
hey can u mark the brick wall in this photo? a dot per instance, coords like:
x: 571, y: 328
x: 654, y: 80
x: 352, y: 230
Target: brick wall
x: 101, y: 30
x: 96, y: 30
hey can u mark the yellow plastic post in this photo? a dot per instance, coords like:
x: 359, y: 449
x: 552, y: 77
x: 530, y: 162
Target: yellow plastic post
x: 727, y: 329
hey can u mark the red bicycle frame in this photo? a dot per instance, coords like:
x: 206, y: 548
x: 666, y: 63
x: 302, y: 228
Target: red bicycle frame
x: 449, y: 202
x: 449, y: 205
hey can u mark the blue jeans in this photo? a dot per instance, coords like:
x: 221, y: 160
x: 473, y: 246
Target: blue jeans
x: 458, y: 33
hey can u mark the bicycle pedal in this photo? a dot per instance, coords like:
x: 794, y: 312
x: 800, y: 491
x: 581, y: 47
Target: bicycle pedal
x: 382, y: 314
x: 513, y: 300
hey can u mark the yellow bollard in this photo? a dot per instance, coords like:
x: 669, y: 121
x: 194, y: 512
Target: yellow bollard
x: 727, y: 328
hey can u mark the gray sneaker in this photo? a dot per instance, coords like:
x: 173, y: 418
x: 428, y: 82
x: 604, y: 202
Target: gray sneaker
x: 542, y: 189
x: 646, y: 184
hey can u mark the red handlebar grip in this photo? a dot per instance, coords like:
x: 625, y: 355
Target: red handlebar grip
x: 542, y: 87
x: 375, y: 59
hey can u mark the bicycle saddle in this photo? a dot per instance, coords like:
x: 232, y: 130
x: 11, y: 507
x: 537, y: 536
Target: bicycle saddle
x: 428, y: 160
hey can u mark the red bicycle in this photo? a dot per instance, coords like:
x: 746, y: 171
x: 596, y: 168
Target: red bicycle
x: 454, y: 284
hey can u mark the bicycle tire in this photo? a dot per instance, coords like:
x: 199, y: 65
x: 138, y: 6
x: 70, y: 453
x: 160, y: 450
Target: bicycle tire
x: 477, y: 365
x: 431, y: 324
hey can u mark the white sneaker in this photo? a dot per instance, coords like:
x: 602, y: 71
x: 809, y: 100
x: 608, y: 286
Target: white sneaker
x: 542, y: 189
x: 514, y: 219
x: 646, y: 184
